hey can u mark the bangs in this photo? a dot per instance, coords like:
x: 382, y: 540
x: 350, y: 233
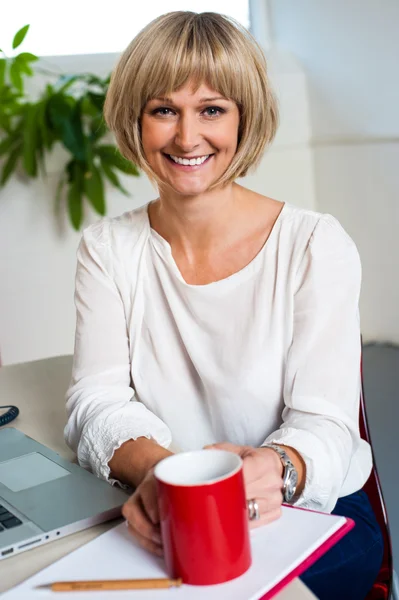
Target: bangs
x: 196, y: 51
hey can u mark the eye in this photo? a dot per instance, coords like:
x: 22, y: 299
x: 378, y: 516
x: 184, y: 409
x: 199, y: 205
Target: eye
x: 162, y: 111
x: 213, y: 111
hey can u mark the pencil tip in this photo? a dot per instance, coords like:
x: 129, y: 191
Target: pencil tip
x: 43, y: 587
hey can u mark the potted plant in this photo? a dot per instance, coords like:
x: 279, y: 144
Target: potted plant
x: 68, y: 111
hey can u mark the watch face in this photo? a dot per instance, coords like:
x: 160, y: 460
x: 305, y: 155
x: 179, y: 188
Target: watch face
x: 291, y: 484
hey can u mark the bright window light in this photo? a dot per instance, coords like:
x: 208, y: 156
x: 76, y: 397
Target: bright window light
x: 91, y: 27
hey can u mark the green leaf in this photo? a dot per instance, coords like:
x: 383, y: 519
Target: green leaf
x: 27, y: 57
x: 60, y: 109
x: 16, y: 77
x: 114, y: 158
x: 113, y: 178
x: 5, y: 122
x: 70, y: 169
x: 23, y: 61
x: 7, y: 95
x: 3, y: 64
x: 49, y: 91
x: 65, y: 82
x: 20, y: 36
x: 9, y: 102
x: 88, y: 107
x: 65, y: 115
x: 10, y: 164
x: 31, y: 140
x: 7, y: 144
x: 58, y: 193
x: 97, y: 100
x: 25, y: 68
x: 98, y: 128
x: 75, y: 208
x: 40, y: 156
x: 44, y: 128
x: 75, y: 197
x: 94, y: 189
x: 75, y: 139
x: 93, y: 79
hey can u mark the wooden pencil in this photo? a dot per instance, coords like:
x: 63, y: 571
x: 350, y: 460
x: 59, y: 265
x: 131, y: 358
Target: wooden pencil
x: 112, y: 584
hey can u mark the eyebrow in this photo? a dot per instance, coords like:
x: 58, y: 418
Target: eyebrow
x: 202, y: 100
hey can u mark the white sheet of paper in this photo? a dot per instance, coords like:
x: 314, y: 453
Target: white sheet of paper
x: 277, y: 549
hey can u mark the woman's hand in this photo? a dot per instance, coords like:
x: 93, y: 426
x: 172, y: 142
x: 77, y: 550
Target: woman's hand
x: 142, y: 515
x: 263, y: 479
x: 133, y: 463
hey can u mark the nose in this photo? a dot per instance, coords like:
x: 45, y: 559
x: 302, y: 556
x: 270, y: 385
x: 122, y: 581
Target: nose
x: 188, y: 132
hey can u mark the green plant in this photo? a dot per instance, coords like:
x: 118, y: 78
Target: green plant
x: 69, y: 112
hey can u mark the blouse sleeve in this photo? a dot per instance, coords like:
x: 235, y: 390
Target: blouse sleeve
x: 322, y: 376
x: 101, y: 406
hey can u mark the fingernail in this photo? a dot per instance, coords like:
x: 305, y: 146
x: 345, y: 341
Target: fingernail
x: 127, y: 523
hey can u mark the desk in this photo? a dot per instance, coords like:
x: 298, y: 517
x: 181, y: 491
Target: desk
x: 38, y: 389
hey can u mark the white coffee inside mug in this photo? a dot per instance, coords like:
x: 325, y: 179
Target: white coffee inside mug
x: 200, y: 467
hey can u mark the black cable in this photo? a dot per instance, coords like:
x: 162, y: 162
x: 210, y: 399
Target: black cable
x: 9, y: 416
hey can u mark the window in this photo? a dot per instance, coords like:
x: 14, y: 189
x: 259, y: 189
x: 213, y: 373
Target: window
x: 90, y: 27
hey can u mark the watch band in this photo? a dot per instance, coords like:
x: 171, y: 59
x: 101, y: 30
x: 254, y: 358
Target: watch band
x: 290, y: 475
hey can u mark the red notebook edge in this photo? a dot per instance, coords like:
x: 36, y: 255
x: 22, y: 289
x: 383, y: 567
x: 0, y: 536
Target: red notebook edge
x: 312, y: 558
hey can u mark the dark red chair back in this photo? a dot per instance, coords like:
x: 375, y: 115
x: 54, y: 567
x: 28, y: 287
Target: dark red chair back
x: 383, y: 584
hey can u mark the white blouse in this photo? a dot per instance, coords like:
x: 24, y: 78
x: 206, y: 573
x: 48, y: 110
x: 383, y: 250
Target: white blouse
x: 270, y: 353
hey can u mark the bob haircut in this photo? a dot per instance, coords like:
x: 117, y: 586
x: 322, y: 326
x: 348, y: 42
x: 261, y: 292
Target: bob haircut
x: 181, y: 47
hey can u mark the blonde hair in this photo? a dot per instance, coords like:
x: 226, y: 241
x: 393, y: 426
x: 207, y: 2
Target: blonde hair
x: 184, y: 46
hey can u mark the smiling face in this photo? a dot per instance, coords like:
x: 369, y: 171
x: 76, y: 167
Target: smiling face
x: 189, y: 139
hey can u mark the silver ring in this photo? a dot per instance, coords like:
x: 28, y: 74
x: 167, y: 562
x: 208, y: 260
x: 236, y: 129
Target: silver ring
x: 253, y: 510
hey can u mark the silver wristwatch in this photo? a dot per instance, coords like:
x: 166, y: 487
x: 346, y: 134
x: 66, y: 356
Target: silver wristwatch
x: 290, y: 475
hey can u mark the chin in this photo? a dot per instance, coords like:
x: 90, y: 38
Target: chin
x: 189, y: 190
x: 192, y: 193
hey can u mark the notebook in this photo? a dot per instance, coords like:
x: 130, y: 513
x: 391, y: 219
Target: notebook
x: 281, y: 551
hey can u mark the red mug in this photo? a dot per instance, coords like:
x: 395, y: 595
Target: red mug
x: 204, y: 516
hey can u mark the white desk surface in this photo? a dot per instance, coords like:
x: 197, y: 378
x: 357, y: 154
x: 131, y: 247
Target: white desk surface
x: 38, y: 389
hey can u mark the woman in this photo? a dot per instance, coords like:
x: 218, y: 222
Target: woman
x: 216, y: 315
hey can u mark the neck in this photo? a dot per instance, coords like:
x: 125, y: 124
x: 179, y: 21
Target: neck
x: 196, y: 223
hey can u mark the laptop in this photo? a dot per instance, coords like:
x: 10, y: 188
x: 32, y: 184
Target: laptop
x: 44, y: 497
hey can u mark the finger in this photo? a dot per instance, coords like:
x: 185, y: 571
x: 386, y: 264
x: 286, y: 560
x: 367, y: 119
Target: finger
x: 134, y: 512
x: 226, y: 446
x: 144, y: 542
x: 251, y: 470
x: 149, y: 499
x: 269, y: 504
x: 264, y: 487
x: 268, y: 517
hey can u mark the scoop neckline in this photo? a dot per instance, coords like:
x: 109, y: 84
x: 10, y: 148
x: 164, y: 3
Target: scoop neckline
x: 235, y: 278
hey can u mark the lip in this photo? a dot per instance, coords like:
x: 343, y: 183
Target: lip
x: 187, y: 167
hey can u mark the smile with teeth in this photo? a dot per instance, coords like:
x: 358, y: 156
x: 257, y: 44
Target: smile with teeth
x: 189, y: 161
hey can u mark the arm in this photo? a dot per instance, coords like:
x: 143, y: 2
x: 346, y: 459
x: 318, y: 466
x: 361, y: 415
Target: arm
x: 322, y: 377
x: 134, y: 459
x: 102, y: 411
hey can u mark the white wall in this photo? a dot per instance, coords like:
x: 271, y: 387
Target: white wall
x: 37, y: 247
x: 345, y: 159
x: 350, y: 51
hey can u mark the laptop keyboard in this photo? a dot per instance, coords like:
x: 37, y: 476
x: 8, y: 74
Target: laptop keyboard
x: 7, y: 519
